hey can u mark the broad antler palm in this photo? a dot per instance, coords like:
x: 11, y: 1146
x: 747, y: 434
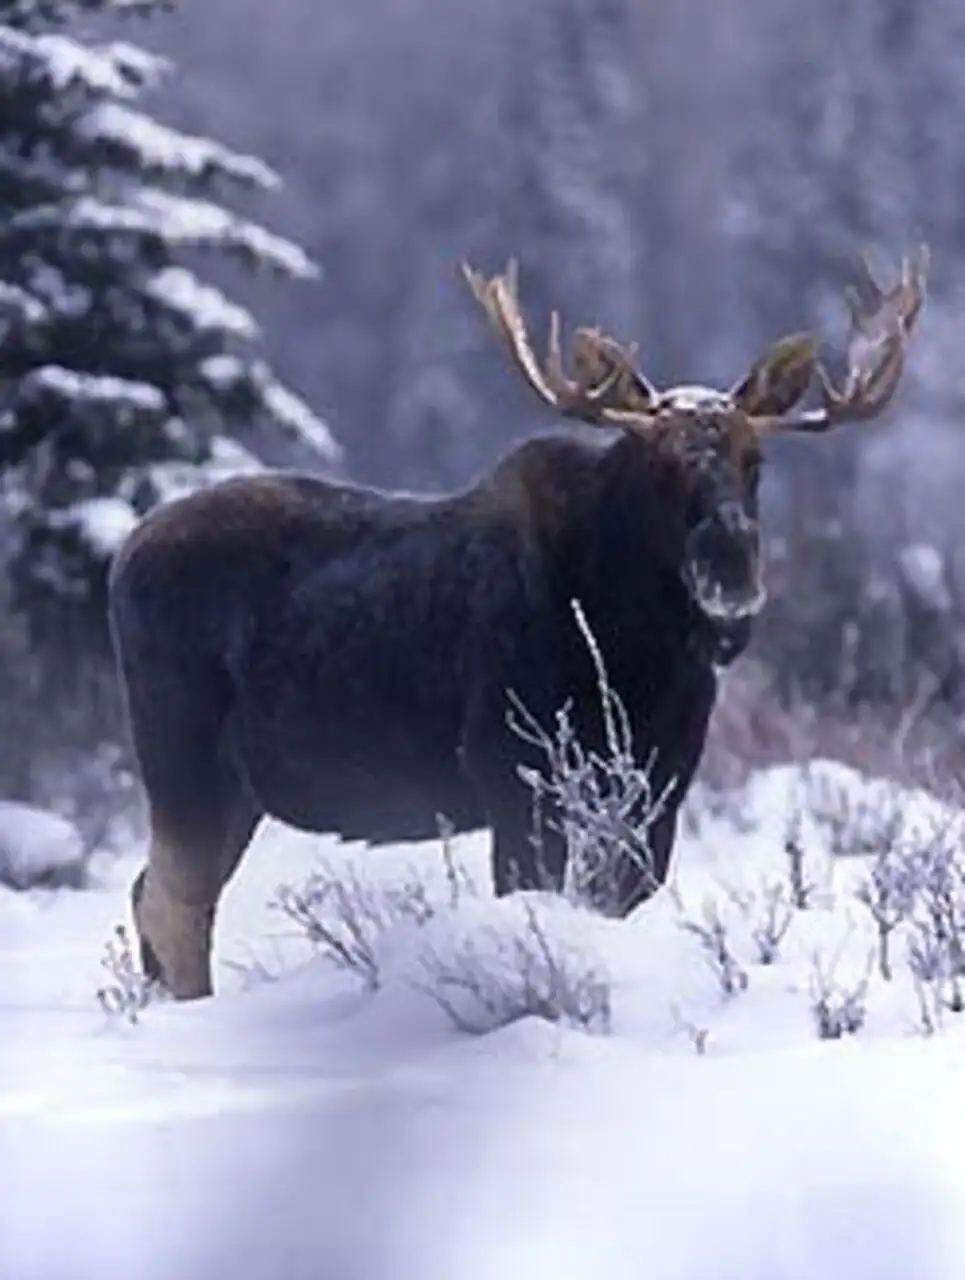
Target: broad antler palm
x: 875, y: 351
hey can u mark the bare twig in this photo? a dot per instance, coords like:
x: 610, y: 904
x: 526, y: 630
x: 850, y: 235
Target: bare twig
x: 711, y: 933
x: 889, y: 893
x: 768, y: 913
x: 129, y: 991
x: 803, y: 889
x: 838, y: 1010
x: 927, y: 964
x: 344, y: 916
x: 698, y: 1036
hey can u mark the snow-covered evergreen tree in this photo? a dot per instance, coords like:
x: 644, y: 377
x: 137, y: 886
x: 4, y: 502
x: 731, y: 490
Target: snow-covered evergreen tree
x: 122, y: 374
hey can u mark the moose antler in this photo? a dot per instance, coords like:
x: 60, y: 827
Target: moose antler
x: 605, y: 385
x: 876, y: 351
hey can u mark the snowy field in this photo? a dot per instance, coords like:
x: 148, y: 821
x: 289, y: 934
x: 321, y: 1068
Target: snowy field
x: 305, y: 1125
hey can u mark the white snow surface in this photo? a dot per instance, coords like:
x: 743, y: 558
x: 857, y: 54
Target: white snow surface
x: 300, y: 1127
x: 34, y: 844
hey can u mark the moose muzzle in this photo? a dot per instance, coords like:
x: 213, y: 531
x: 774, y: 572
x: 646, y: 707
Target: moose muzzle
x: 722, y: 565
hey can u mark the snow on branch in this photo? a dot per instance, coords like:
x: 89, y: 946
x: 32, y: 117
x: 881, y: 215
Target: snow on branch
x: 38, y: 178
x: 290, y: 412
x: 19, y: 12
x: 203, y: 223
x: 223, y: 373
x: 139, y: 66
x: 54, y: 382
x: 205, y: 306
x: 149, y: 486
x: 64, y: 63
x: 158, y: 220
x: 19, y: 307
x: 50, y: 398
x: 234, y: 379
x: 131, y: 137
x: 99, y: 524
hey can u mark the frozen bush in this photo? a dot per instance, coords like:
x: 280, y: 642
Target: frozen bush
x: 838, y: 1008
x: 858, y: 821
x: 344, y: 915
x: 711, y: 933
x: 497, y: 976
x: 802, y: 886
x: 705, y: 804
x: 889, y: 893
x: 940, y: 907
x: 927, y: 964
x: 768, y: 913
x: 604, y: 805
x: 128, y: 991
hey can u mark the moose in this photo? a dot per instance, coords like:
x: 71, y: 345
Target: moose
x: 341, y: 658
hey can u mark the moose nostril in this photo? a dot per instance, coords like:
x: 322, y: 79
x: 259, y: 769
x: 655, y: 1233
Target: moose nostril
x: 734, y: 518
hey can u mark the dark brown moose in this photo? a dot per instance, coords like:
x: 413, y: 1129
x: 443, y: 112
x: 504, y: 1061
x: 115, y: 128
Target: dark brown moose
x: 342, y: 658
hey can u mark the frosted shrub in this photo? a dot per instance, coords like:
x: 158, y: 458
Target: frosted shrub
x: 937, y: 866
x: 928, y: 966
x: 712, y: 935
x: 344, y: 915
x: 858, y: 821
x: 604, y: 805
x: 497, y: 976
x: 889, y: 893
x: 128, y: 991
x: 768, y: 913
x: 803, y: 888
x: 838, y: 1008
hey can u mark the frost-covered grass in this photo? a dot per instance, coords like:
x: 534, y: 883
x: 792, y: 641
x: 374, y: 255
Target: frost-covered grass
x: 801, y: 1126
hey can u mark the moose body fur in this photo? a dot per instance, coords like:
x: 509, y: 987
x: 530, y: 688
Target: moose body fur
x: 341, y: 659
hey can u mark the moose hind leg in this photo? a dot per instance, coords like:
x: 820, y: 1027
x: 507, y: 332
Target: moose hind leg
x: 202, y: 816
x: 174, y: 899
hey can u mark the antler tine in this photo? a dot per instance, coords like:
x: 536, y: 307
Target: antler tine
x: 498, y: 298
x: 876, y: 350
x: 605, y: 386
x: 870, y: 280
x: 555, y: 372
x: 913, y: 282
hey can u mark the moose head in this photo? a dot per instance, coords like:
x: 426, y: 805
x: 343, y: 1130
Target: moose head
x: 708, y: 442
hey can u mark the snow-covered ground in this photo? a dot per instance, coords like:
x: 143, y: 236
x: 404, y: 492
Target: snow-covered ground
x: 301, y: 1126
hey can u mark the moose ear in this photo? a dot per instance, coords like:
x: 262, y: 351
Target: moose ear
x: 779, y: 378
